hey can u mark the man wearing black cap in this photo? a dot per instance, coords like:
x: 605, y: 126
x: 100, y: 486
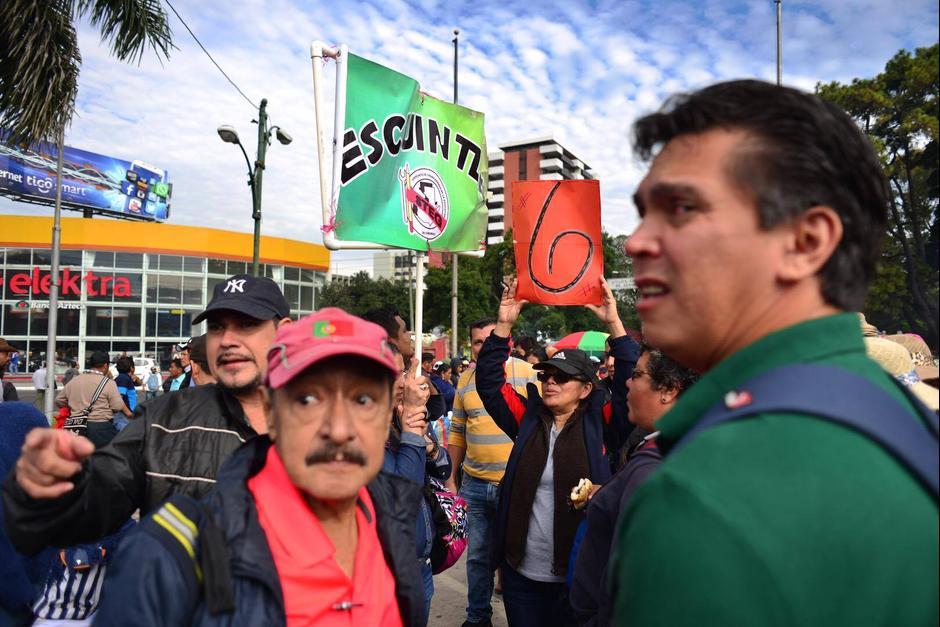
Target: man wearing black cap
x: 64, y: 492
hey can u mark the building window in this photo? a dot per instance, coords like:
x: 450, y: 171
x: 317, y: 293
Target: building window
x: 126, y: 322
x: 170, y: 288
x: 101, y: 259
x: 523, y: 165
x: 292, y: 294
x: 192, y: 290
x: 291, y: 274
x: 133, y: 261
x: 18, y: 256
x: 171, y: 263
x: 15, y: 320
x: 237, y: 267
x: 217, y: 266
x: 193, y: 264
x: 70, y: 258
x: 98, y: 321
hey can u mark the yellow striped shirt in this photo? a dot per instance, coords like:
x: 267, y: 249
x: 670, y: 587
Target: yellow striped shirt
x: 472, y: 428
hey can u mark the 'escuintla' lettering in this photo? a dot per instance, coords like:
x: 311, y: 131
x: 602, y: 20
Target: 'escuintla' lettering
x: 399, y: 134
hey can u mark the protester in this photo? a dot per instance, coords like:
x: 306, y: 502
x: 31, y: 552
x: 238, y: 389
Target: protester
x: 71, y: 372
x: 412, y: 452
x: 154, y: 383
x: 65, y: 492
x: 899, y: 363
x: 456, y: 369
x: 761, y: 219
x: 652, y: 390
x: 177, y: 376
x: 15, y: 362
x: 480, y: 447
x: 126, y: 385
x: 40, y: 385
x: 557, y: 442
x: 8, y: 391
x: 199, y: 361
x: 185, y: 357
x: 440, y: 377
x: 301, y: 528
x: 389, y: 319
x: 79, y: 397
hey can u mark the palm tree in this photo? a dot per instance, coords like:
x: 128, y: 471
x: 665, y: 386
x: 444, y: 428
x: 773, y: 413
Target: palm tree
x: 40, y: 60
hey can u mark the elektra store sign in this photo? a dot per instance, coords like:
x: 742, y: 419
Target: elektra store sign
x: 38, y: 283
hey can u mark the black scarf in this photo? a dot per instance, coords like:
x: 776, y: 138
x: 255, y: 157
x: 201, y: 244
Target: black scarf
x: 571, y: 464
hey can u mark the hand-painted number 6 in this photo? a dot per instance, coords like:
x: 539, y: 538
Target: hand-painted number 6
x: 551, y: 250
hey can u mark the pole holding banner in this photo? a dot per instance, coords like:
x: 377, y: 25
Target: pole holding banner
x: 419, y: 309
x: 453, y: 278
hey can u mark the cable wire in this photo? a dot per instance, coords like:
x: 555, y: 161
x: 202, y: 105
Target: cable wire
x: 196, y: 39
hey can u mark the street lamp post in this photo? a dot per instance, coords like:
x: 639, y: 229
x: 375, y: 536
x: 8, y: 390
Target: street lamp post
x: 256, y: 171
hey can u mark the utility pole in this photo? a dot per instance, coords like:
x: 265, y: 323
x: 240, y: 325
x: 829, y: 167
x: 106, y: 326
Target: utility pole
x: 453, y: 256
x: 779, y: 43
x: 256, y: 181
x: 49, y: 404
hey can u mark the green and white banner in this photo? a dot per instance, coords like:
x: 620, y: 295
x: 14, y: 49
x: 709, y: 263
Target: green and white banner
x: 414, y: 168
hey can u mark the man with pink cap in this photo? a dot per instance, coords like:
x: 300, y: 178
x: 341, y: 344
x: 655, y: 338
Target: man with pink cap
x: 301, y: 526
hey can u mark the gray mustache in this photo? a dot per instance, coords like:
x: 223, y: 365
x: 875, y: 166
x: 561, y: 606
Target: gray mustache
x: 328, y: 453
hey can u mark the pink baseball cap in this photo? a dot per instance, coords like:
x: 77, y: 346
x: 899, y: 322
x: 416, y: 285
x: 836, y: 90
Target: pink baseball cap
x: 323, y: 334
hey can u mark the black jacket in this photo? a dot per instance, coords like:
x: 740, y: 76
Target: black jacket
x: 175, y: 444
x: 589, y: 596
x: 156, y: 583
x: 9, y: 391
x: 491, y: 379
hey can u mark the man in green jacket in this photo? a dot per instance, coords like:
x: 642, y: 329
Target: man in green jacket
x: 761, y: 221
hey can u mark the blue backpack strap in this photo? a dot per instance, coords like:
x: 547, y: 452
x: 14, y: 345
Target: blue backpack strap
x: 839, y: 396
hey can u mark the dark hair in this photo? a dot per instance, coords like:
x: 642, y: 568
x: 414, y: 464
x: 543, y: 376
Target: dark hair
x: 526, y: 343
x: 665, y: 373
x: 804, y: 151
x: 540, y: 353
x: 482, y: 323
x: 385, y: 318
x: 427, y: 357
x: 394, y: 348
x: 176, y: 361
x: 124, y: 364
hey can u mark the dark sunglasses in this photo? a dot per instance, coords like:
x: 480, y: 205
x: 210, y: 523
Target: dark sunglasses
x: 559, y: 377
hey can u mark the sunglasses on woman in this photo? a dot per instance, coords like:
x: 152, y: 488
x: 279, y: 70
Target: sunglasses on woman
x: 558, y: 377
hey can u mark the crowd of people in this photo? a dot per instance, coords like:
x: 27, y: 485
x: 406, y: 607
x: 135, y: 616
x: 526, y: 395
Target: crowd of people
x: 748, y: 463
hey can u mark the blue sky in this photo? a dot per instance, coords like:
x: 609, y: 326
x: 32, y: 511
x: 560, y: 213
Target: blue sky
x: 580, y: 71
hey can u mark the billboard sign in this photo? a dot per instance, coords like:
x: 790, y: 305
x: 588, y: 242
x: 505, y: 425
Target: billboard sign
x: 89, y: 181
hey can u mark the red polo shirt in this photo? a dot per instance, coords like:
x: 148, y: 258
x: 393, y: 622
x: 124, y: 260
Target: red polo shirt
x: 316, y: 590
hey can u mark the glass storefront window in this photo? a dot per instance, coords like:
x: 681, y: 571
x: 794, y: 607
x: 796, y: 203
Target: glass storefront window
x: 70, y: 258
x: 291, y: 274
x: 126, y: 322
x: 67, y: 321
x: 192, y: 290
x: 306, y: 275
x: 128, y: 260
x: 93, y: 290
x: 170, y: 288
x: 172, y: 263
x: 101, y: 259
x: 39, y: 322
x: 217, y: 266
x: 42, y: 257
x: 15, y: 320
x: 18, y: 256
x: 292, y: 294
x: 237, y: 267
x: 192, y: 264
x: 306, y: 297
x: 98, y: 321
x: 165, y: 322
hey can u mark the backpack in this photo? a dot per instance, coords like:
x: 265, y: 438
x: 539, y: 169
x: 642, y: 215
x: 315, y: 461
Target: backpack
x: 449, y: 515
x: 842, y: 397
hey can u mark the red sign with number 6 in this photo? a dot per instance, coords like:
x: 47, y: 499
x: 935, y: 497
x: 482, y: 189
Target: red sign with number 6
x: 556, y: 228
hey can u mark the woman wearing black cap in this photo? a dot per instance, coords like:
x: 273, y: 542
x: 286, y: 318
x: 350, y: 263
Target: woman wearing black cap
x: 558, y: 445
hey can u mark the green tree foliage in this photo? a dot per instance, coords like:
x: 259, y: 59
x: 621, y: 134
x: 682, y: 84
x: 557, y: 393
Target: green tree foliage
x: 40, y: 60
x: 898, y: 110
x: 364, y: 293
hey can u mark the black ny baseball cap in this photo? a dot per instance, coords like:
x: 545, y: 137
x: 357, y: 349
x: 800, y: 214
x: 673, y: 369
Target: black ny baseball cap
x: 571, y: 361
x: 255, y: 296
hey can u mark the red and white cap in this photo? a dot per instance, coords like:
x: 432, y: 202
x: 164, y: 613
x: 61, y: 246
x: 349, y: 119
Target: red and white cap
x: 326, y: 333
